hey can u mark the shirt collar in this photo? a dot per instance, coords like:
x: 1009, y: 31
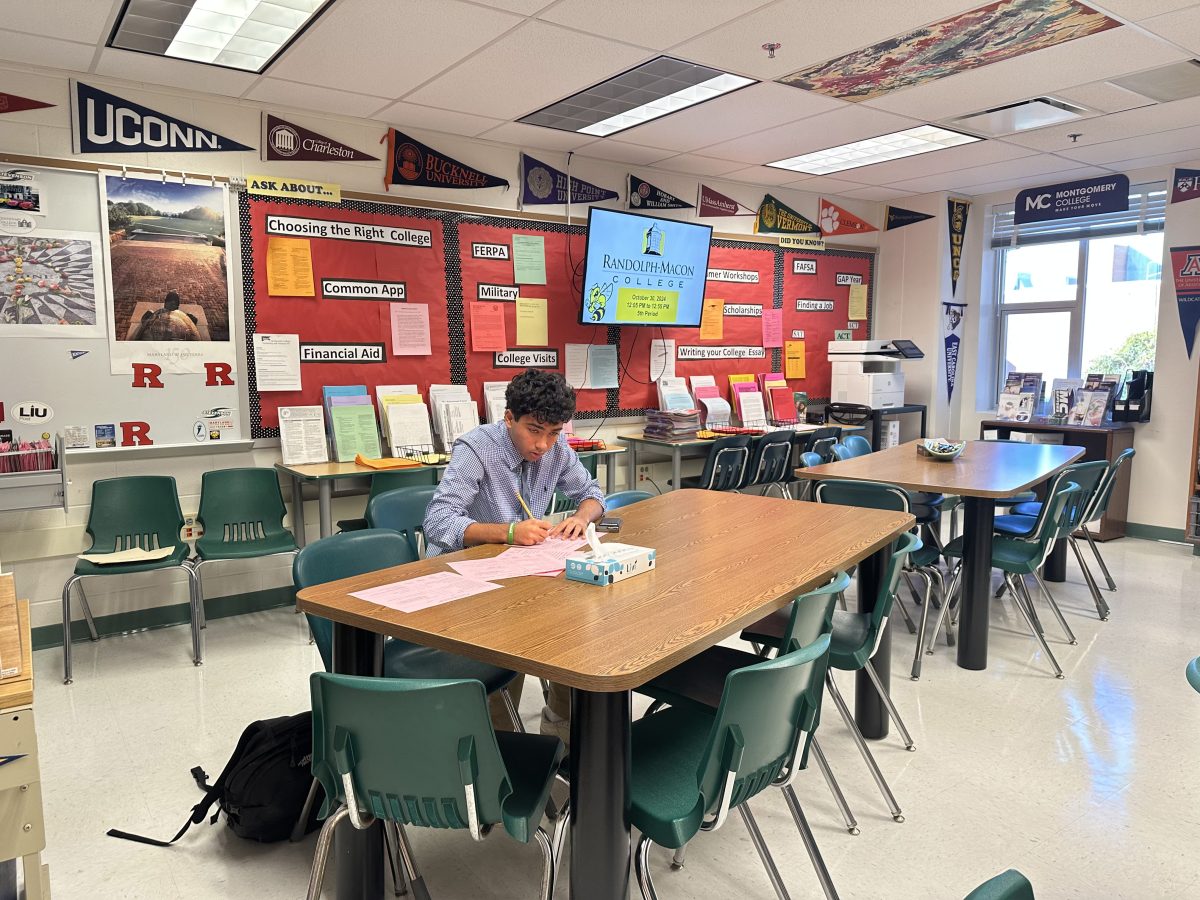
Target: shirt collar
x: 508, y: 449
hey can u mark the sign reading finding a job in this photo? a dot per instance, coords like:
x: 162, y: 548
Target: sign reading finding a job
x: 1089, y: 197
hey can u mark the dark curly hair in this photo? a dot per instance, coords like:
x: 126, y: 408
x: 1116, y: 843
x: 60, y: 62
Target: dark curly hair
x: 544, y: 395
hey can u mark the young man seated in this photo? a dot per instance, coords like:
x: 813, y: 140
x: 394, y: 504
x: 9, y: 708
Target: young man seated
x: 526, y: 456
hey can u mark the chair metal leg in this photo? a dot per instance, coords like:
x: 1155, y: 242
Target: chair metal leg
x: 1054, y: 608
x: 298, y: 829
x: 548, y: 879
x: 641, y: 868
x: 949, y: 592
x: 863, y: 749
x: 562, y: 825
x: 324, y: 842
x: 66, y: 621
x: 1058, y: 672
x: 197, y: 633
x: 545, y: 689
x: 415, y: 879
x: 390, y: 845
x: 810, y: 844
x: 1112, y: 585
x: 1020, y: 596
x: 87, y: 613
x: 764, y: 854
x: 518, y: 725
x: 891, y: 707
x: 1102, y: 609
x: 928, y: 576
x: 196, y: 566
x: 834, y: 788
x: 678, y: 858
x: 899, y: 604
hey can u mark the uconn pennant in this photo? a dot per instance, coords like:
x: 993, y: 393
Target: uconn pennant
x: 105, y: 123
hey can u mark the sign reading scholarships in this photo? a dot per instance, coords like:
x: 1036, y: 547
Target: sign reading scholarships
x: 1089, y: 197
x: 288, y: 142
x: 105, y: 123
x: 542, y: 184
x: 409, y: 162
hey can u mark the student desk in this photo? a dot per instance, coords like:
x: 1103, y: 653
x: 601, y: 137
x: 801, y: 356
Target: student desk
x: 324, y: 474
x: 605, y: 641
x: 986, y: 471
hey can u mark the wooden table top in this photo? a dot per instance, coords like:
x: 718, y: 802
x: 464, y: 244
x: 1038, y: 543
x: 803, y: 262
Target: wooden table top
x: 724, y: 560
x: 16, y: 691
x: 985, y: 468
x: 801, y: 428
x: 319, y: 471
x: 1041, y: 423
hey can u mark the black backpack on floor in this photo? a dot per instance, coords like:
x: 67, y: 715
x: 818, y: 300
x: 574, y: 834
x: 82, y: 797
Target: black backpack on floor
x: 262, y: 788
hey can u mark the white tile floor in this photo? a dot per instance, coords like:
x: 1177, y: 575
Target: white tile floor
x: 1089, y: 785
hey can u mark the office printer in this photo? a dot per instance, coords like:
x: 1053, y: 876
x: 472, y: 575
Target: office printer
x: 868, y: 372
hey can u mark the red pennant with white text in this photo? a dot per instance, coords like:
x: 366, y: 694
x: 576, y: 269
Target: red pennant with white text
x: 835, y: 220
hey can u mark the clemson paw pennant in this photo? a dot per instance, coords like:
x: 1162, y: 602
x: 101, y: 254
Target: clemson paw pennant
x: 835, y: 220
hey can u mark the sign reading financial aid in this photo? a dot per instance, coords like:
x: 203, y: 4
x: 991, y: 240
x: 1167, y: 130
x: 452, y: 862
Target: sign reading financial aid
x: 1074, y: 198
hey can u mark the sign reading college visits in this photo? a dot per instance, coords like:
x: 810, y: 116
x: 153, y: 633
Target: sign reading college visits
x: 293, y: 188
x: 1185, y: 267
x: 526, y: 359
x: 409, y: 162
x: 644, y: 195
x: 1089, y: 197
x: 542, y: 184
x: 105, y: 123
x: 288, y: 142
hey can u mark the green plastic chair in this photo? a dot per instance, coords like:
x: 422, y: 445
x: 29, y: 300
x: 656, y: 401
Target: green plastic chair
x: 390, y: 481
x: 423, y: 753
x: 1018, y: 556
x: 1193, y: 673
x: 625, y: 498
x: 1010, y: 885
x: 855, y: 639
x: 128, y: 512
x: 241, y: 512
x: 560, y: 502
x: 403, y: 510
x: 691, y: 766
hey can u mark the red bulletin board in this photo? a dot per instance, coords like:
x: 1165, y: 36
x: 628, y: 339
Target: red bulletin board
x: 818, y: 327
x: 564, y: 259
x: 318, y: 319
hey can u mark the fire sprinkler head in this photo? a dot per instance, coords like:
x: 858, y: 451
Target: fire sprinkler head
x: 771, y: 48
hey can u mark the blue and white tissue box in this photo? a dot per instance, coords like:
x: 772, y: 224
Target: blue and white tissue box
x: 609, y: 563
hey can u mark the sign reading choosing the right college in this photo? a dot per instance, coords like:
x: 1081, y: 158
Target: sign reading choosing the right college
x: 1089, y: 197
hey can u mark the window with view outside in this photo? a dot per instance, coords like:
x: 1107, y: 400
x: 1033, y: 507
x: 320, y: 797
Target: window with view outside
x: 1121, y: 303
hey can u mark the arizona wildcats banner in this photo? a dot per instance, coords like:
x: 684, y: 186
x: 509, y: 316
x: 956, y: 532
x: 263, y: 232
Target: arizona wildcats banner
x: 644, y: 195
x: 956, y: 221
x: 895, y: 217
x: 105, y: 123
x: 952, y: 317
x: 1185, y: 266
x: 409, y: 162
x: 1185, y: 185
x: 544, y: 184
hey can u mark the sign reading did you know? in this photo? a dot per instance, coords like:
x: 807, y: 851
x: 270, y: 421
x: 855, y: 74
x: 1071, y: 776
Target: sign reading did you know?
x: 1089, y: 197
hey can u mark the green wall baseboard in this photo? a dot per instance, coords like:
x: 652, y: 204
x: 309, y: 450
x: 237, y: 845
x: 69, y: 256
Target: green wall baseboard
x: 1154, y: 532
x: 165, y: 616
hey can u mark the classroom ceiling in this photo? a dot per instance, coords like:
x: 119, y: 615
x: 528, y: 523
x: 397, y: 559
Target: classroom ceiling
x: 473, y: 67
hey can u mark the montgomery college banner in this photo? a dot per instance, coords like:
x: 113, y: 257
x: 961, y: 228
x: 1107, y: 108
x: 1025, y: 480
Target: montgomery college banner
x: 410, y: 162
x: 710, y: 204
x: 1185, y: 267
x: 952, y: 318
x: 956, y: 220
x: 543, y: 184
x: 644, y: 195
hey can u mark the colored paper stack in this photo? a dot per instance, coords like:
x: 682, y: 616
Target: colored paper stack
x: 673, y: 425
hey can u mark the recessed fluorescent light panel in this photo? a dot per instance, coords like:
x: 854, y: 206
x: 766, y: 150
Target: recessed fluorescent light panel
x: 652, y: 90
x: 234, y: 34
x: 899, y: 144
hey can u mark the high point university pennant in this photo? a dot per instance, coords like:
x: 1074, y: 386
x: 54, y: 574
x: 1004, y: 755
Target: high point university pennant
x: 409, y: 162
x: 835, y: 220
x: 1185, y: 185
x: 710, y: 204
x: 1185, y: 267
x: 644, y: 195
x: 956, y: 221
x: 12, y: 103
x: 543, y: 184
x: 895, y: 217
x: 288, y: 142
x: 105, y: 123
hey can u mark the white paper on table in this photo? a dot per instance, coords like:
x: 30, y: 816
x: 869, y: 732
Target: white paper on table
x: 662, y: 358
x: 458, y: 417
x: 424, y: 592
x: 277, y: 362
x: 408, y: 426
x: 576, y: 364
x: 440, y: 392
x: 753, y: 412
x: 673, y: 394
x: 699, y: 381
x: 717, y: 411
x: 602, y: 366
x: 302, y: 435
x: 410, y: 329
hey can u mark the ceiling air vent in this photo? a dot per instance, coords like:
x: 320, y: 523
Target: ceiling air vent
x: 1166, y: 83
x: 1023, y: 116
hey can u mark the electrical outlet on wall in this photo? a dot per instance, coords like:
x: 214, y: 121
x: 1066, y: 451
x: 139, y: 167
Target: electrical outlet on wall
x: 191, y: 528
x: 643, y: 473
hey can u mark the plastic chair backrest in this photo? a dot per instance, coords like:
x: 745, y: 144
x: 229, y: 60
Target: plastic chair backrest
x: 823, y: 436
x: 343, y: 556
x: 840, y: 451
x: 1100, y: 506
x: 1193, y: 673
x: 812, y: 616
x: 625, y: 498
x: 864, y: 494
x: 1010, y: 885
x: 808, y: 458
x: 1090, y: 478
x: 134, y: 511
x: 754, y: 735
x: 772, y: 459
x: 1049, y: 523
x: 400, y: 478
x: 726, y: 462
x: 857, y: 444
x: 403, y: 510
x: 238, y: 505
x: 410, y: 747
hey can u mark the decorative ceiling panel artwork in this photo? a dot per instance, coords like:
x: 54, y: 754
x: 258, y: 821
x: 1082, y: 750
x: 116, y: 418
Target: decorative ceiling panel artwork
x: 977, y: 38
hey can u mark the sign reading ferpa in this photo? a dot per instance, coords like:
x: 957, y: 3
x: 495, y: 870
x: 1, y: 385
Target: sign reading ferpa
x: 814, y: 306
x: 1089, y: 197
x: 526, y: 359
x: 105, y: 123
x: 341, y: 353
x: 345, y: 289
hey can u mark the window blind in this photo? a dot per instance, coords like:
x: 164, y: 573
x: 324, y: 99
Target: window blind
x: 1147, y: 212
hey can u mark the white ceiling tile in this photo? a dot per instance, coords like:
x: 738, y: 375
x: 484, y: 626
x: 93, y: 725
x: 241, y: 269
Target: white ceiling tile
x: 1189, y: 158
x: 878, y: 194
x: 522, y: 7
x: 1093, y: 58
x: 159, y: 70
x: 519, y: 73
x: 1114, y: 153
x: 951, y: 159
x: 825, y: 185
x: 308, y: 97
x: 535, y: 137
x: 412, y: 115
x: 763, y: 175
x: 1132, y: 123
x: 625, y: 153
x: 734, y: 115
x: 1181, y: 27
x: 75, y: 20
x: 1014, y: 185
x: 1029, y: 168
x: 34, y: 50
x: 849, y: 123
x: 692, y: 164
x: 660, y: 25
x: 1136, y: 10
x: 1103, y: 96
x: 371, y: 45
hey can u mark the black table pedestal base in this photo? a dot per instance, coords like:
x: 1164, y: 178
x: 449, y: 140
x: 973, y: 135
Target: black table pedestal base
x: 1055, y: 568
x: 599, y: 757
x: 978, y: 517
x: 869, y: 711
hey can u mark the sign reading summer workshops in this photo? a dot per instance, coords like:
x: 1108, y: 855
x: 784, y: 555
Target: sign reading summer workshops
x: 106, y: 123
x: 1089, y: 197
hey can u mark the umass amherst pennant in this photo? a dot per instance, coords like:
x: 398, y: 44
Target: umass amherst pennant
x: 287, y: 141
x: 710, y: 204
x: 409, y: 162
x: 13, y: 103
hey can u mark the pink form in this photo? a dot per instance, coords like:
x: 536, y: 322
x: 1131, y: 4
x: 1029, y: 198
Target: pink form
x: 546, y: 558
x: 424, y: 592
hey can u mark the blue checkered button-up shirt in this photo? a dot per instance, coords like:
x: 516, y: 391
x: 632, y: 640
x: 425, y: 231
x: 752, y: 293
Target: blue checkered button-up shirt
x: 481, y: 481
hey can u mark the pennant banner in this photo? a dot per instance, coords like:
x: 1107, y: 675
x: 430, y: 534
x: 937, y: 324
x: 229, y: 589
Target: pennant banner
x: 835, y: 220
x: 1185, y: 185
x: 956, y: 220
x: 409, y: 162
x: 644, y: 195
x: 898, y: 218
x: 775, y: 217
x: 952, y: 318
x: 105, y: 123
x: 13, y: 103
x: 710, y: 203
x: 1185, y: 266
x: 289, y: 142
x: 542, y: 184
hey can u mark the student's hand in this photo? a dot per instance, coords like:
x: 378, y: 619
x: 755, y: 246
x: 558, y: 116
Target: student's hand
x: 569, y: 528
x: 530, y: 532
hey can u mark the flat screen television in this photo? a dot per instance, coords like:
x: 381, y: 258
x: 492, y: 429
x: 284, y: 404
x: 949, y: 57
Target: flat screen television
x: 642, y: 270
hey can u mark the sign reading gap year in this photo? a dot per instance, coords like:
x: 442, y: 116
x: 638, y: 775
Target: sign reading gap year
x: 1089, y: 197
